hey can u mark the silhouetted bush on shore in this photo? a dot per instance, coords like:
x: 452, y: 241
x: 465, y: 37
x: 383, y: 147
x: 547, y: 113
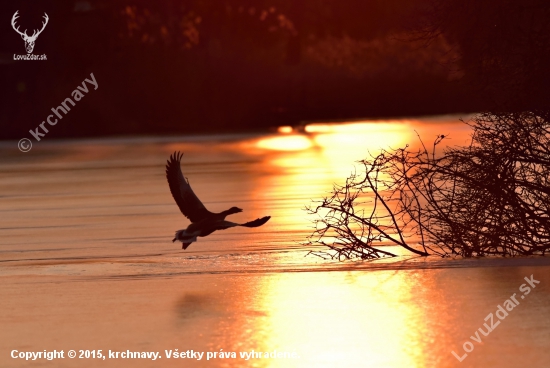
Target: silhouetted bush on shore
x: 489, y: 198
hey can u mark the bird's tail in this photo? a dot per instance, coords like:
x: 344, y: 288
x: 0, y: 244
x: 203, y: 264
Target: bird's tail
x: 257, y: 222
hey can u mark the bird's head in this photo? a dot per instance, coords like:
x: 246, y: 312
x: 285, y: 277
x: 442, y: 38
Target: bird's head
x: 234, y: 210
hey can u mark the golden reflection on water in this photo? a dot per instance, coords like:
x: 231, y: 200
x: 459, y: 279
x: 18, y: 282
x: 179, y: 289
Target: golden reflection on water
x: 337, y: 146
x: 343, y: 320
x: 285, y: 129
x: 329, y: 319
x: 339, y: 137
x: 307, y: 160
x: 285, y: 143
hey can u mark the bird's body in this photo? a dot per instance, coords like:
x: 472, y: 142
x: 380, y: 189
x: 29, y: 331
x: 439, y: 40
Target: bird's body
x: 203, y: 222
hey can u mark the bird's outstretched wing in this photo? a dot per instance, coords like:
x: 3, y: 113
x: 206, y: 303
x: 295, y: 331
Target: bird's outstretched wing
x: 257, y: 222
x: 222, y: 225
x: 188, y: 203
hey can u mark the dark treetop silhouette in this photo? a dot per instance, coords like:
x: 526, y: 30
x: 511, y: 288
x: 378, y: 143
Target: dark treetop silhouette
x: 203, y: 222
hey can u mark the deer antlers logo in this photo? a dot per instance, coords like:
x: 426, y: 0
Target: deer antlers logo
x: 29, y: 40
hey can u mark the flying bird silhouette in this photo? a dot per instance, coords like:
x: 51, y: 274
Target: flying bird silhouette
x: 203, y: 222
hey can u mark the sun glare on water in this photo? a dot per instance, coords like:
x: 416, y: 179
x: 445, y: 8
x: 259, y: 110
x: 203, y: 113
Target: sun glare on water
x: 338, y: 138
x: 285, y: 143
x: 315, y: 156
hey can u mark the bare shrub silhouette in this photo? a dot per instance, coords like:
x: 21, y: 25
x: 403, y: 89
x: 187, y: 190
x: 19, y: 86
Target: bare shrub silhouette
x: 489, y: 198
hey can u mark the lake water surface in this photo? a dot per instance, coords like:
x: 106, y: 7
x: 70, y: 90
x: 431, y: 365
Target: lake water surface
x: 87, y: 261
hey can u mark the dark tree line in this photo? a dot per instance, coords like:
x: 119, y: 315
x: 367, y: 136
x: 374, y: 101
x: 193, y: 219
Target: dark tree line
x: 504, y: 47
x: 178, y: 66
